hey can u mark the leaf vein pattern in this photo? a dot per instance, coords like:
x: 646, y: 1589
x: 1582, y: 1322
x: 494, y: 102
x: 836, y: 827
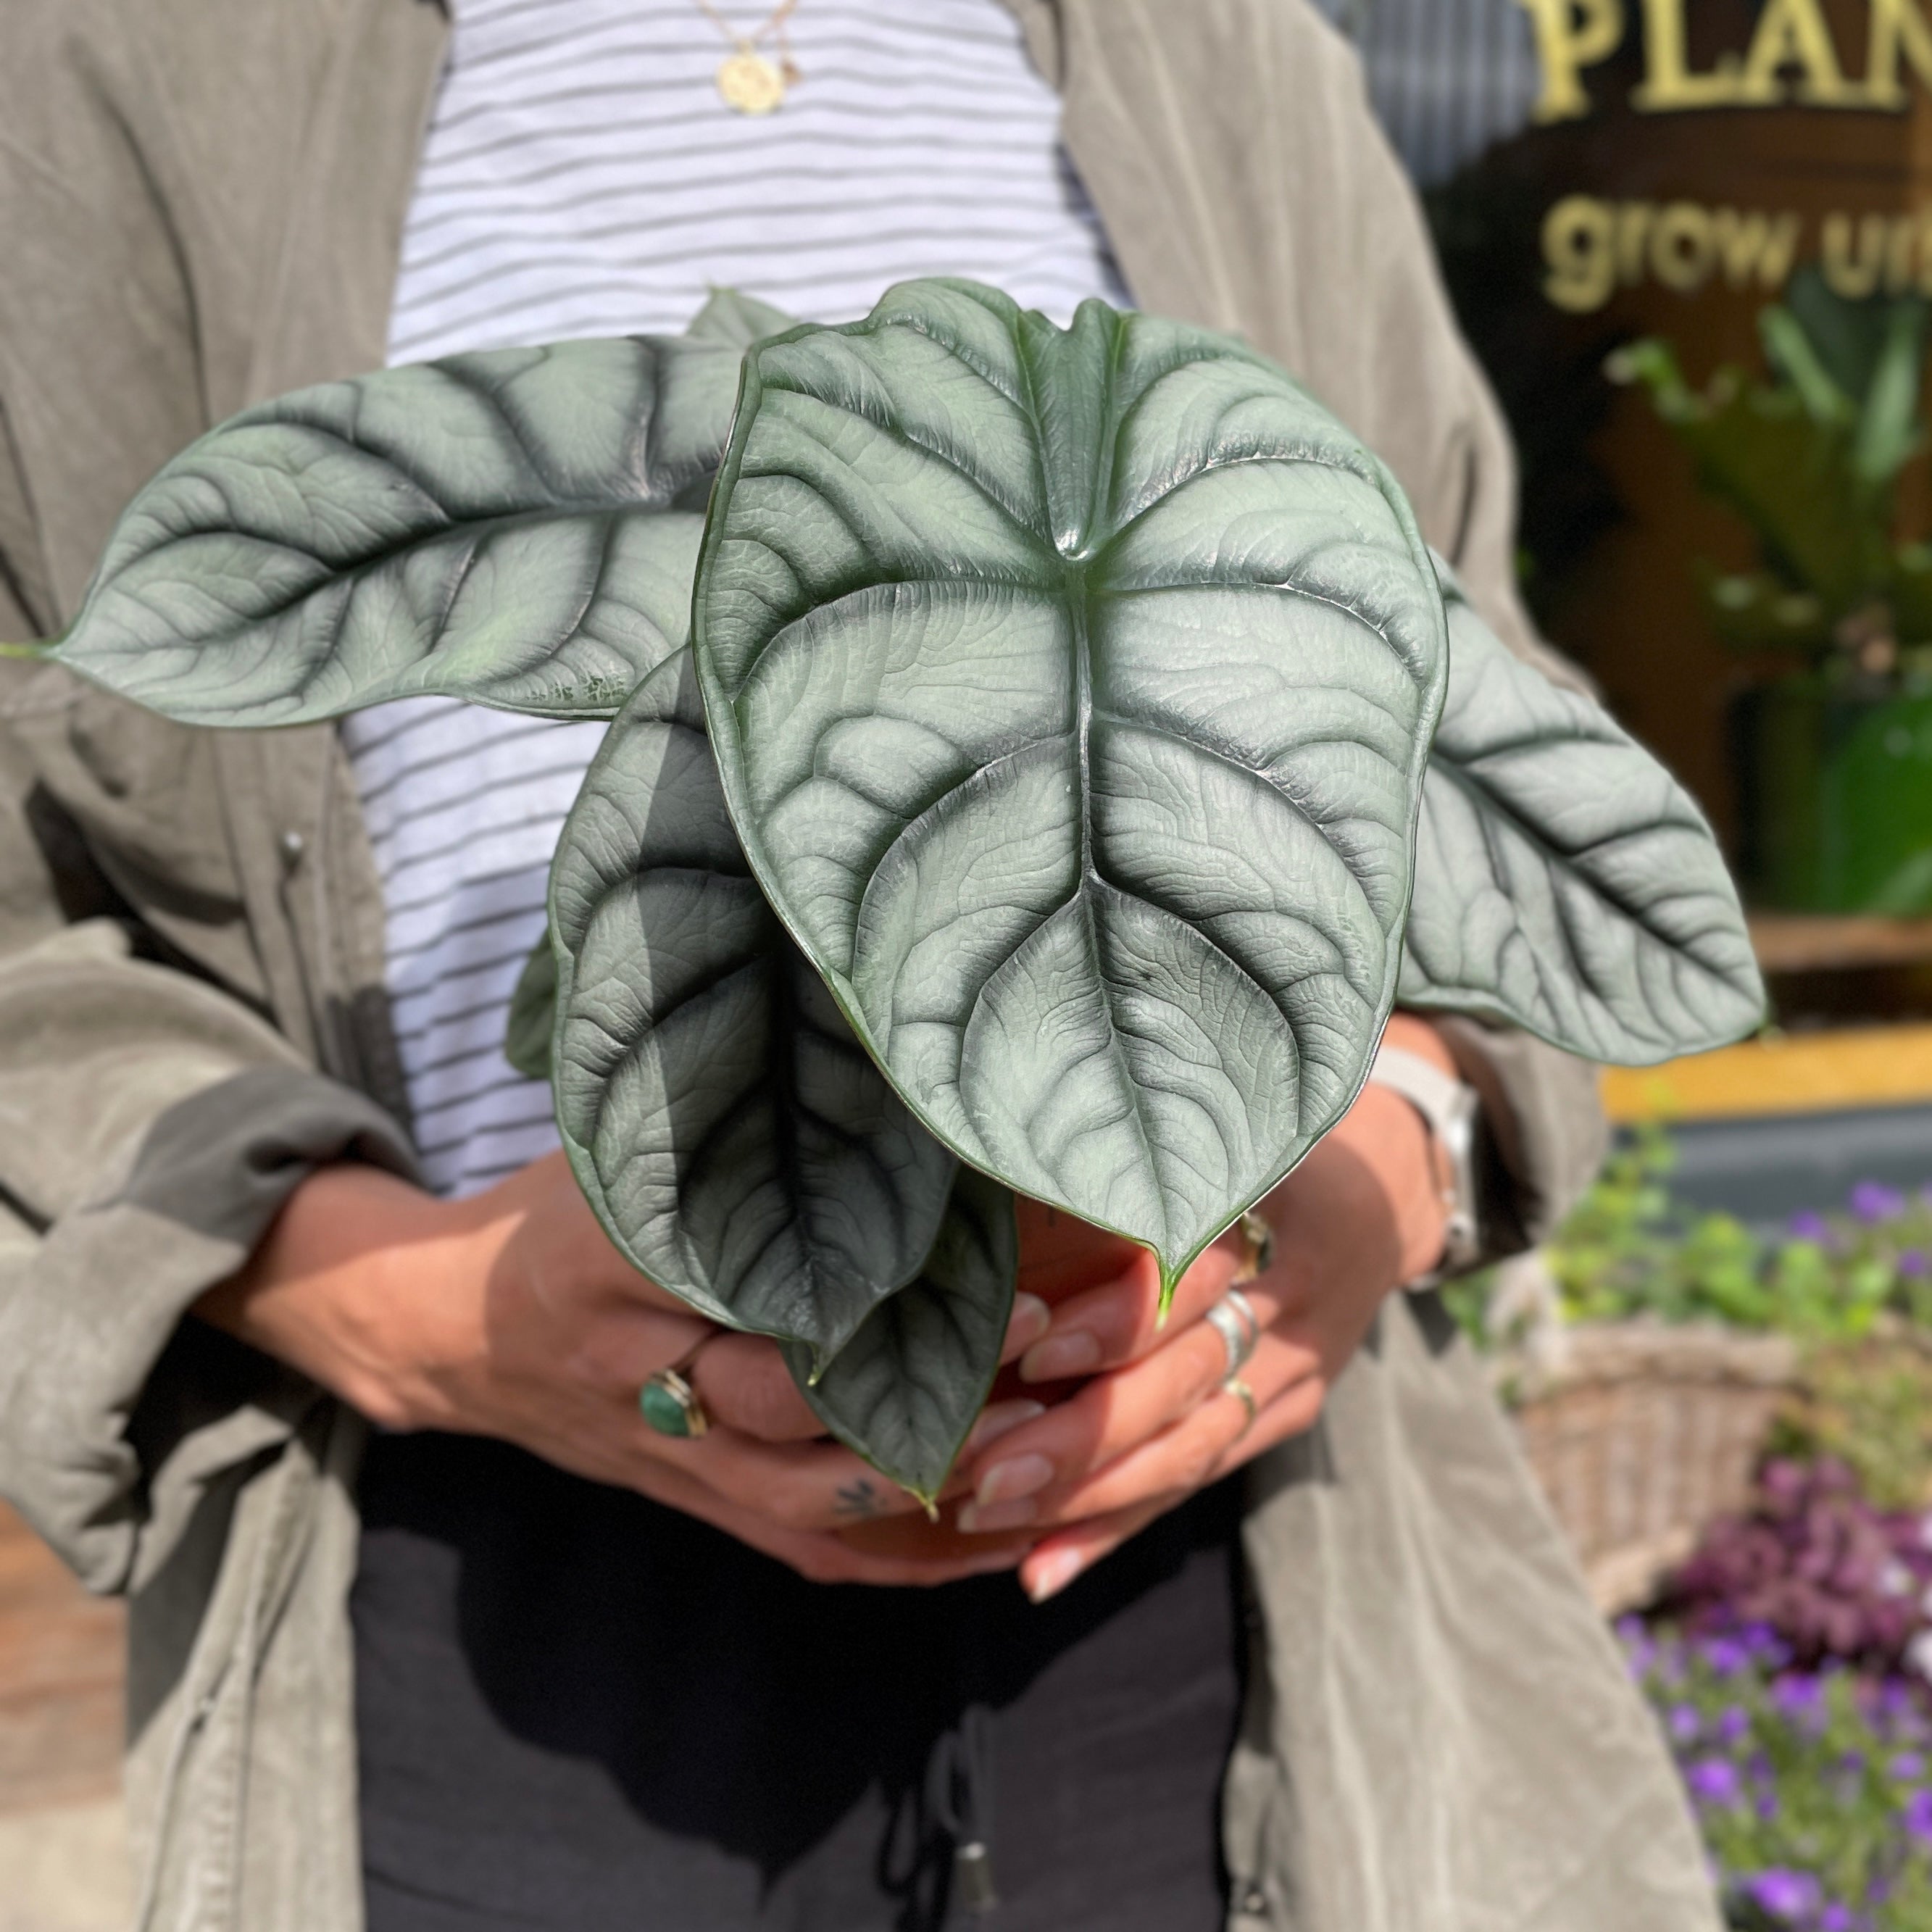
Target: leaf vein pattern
x: 1554, y: 856
x: 894, y: 432
x: 876, y: 590
x: 1222, y: 755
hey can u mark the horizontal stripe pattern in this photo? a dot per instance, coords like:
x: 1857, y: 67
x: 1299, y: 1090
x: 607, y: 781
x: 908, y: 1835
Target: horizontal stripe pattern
x: 582, y: 177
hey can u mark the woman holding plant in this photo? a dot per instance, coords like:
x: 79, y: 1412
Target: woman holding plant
x: 574, y: 1702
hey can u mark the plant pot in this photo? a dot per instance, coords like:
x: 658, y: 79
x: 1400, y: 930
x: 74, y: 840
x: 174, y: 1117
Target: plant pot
x: 1835, y: 797
x: 1641, y: 1435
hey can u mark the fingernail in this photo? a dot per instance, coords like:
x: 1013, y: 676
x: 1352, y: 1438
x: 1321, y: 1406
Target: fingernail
x: 979, y: 1519
x: 1030, y: 1320
x: 997, y: 1420
x: 1054, y: 1573
x: 1018, y: 1476
x: 1075, y: 1353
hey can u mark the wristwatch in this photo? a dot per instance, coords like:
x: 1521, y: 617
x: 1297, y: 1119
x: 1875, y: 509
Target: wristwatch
x: 1448, y: 1106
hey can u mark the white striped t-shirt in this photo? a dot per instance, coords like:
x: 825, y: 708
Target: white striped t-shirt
x: 582, y: 177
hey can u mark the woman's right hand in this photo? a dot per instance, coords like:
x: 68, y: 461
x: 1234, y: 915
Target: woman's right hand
x: 510, y: 1314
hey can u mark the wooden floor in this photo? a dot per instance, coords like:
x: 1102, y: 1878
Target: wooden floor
x: 60, y: 1681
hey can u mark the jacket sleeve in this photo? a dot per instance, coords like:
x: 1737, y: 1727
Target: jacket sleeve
x: 153, y: 1114
x: 151, y: 1126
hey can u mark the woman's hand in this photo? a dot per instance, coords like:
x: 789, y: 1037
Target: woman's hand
x: 510, y: 1315
x: 1362, y: 1212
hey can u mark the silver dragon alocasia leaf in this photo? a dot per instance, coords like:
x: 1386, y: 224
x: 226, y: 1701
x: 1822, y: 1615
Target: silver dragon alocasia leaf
x: 1072, y: 690
x: 517, y: 526
x: 736, y: 1141
x: 906, y: 1390
x: 1564, y: 882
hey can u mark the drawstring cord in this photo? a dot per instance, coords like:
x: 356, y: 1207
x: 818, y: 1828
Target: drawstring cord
x: 962, y: 1802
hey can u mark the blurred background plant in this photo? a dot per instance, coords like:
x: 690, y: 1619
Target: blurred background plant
x: 1810, y: 460
x: 1813, y: 1788
x: 1630, y: 1249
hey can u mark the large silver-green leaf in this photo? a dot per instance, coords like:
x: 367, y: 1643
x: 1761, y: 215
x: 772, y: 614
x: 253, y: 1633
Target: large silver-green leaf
x: 517, y: 527
x: 905, y: 1391
x: 733, y: 1136
x: 1072, y: 691
x: 1564, y: 881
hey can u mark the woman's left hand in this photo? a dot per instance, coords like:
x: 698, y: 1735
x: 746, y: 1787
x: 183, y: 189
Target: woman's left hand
x: 1153, y: 1422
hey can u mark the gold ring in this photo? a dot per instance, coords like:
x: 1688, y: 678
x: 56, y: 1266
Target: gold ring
x: 1235, y: 1386
x: 670, y: 1405
x: 1257, y: 1239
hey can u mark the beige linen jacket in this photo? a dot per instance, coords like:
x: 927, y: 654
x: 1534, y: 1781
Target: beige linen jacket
x: 200, y: 206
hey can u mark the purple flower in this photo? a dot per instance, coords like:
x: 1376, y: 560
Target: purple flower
x: 1733, y: 1723
x: 1726, y: 1656
x: 1766, y: 1806
x: 1685, y: 1723
x: 1917, y: 1816
x: 1914, y: 1263
x: 1907, y: 1765
x: 1799, y: 1698
x: 1785, y: 1894
x: 1872, y: 1200
x: 1714, y: 1780
x: 1836, y: 1917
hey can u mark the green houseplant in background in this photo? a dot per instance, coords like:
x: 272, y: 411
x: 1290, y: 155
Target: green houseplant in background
x: 1039, y: 760
x: 1833, y: 760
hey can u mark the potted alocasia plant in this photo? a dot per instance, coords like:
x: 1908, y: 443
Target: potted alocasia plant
x: 1039, y: 758
x: 1833, y: 752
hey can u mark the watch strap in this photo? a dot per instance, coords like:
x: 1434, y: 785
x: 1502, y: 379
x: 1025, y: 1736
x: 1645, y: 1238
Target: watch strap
x: 1448, y: 1106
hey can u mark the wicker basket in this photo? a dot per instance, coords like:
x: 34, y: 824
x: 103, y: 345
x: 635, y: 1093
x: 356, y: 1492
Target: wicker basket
x: 1641, y: 1434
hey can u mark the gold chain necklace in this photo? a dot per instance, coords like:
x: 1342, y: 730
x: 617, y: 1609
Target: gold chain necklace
x: 751, y: 83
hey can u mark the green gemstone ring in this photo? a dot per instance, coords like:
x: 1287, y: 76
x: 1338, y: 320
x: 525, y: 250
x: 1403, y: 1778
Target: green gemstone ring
x: 670, y: 1405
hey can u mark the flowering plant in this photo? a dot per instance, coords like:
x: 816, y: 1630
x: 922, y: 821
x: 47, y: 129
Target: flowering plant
x: 1818, y: 1566
x: 1813, y: 1789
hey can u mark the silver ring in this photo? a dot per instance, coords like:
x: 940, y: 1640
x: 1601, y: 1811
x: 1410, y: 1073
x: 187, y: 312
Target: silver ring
x: 1234, y: 1319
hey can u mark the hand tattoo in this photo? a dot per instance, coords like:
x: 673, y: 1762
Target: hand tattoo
x: 858, y: 1499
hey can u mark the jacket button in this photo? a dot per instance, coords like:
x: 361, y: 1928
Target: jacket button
x: 291, y: 845
x: 1254, y: 1901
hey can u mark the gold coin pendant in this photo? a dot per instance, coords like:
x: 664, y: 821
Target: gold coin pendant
x: 749, y: 83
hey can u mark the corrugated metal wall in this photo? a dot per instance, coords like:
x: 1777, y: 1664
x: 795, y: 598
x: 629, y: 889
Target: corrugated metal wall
x: 1447, y: 76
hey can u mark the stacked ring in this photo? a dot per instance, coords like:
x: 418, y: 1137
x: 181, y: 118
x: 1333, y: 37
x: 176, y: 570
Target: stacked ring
x: 1234, y: 1319
x: 671, y: 1406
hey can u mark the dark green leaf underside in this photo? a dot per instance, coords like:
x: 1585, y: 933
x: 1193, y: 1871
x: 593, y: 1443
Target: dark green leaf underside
x: 905, y: 1391
x: 532, y: 1018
